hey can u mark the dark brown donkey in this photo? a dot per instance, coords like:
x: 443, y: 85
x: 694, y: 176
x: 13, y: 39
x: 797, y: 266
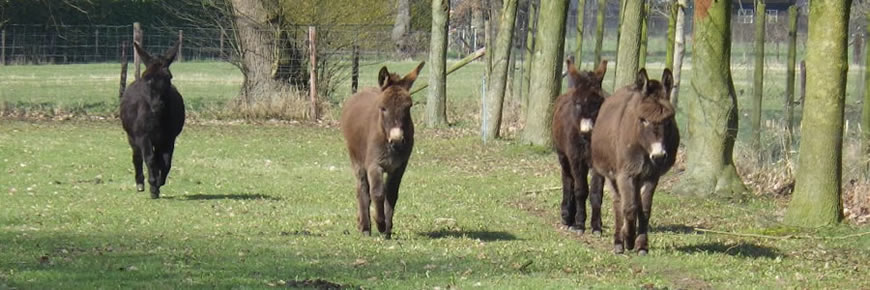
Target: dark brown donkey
x: 573, y: 118
x: 379, y: 132
x: 634, y: 143
x: 152, y: 113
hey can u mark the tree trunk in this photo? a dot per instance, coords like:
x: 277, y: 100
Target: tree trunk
x: 758, y: 86
x: 578, y: 49
x: 865, y: 111
x: 527, y: 59
x: 629, y: 43
x: 599, y: 29
x: 498, y: 79
x: 644, y: 36
x: 546, y: 70
x: 672, y: 32
x: 402, y: 28
x: 712, y: 111
x: 436, y: 103
x: 256, y: 41
x: 789, y: 75
x: 816, y: 198
x: 678, y: 50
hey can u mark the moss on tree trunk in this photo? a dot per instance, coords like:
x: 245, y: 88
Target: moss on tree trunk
x: 816, y: 198
x: 629, y: 43
x: 546, y: 70
x: 789, y: 75
x: 712, y: 111
x: 436, y: 102
x: 578, y: 48
x: 671, y: 37
x: 758, y: 85
x: 599, y: 29
x: 498, y: 79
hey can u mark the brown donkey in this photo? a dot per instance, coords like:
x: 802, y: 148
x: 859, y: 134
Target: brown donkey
x: 152, y: 114
x: 379, y: 132
x: 573, y: 118
x: 634, y: 143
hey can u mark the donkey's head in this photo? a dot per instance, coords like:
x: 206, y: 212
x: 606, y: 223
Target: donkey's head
x: 587, y: 93
x: 157, y: 74
x: 395, y: 103
x: 653, y: 112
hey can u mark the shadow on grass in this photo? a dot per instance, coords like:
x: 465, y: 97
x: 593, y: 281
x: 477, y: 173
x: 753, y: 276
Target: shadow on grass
x: 674, y: 229
x: 224, y: 196
x: 486, y: 236
x: 742, y: 249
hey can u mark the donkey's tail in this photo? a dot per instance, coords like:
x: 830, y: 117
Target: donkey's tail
x: 123, y: 69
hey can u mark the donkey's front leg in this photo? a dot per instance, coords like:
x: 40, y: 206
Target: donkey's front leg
x: 376, y: 189
x: 394, y: 179
x: 646, y: 196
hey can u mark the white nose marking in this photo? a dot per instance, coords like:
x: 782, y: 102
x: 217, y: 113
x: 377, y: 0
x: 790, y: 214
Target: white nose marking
x: 656, y: 150
x: 585, y: 125
x: 396, y: 134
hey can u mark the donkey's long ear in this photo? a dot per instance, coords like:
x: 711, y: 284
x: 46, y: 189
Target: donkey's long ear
x: 170, y: 54
x: 146, y: 58
x: 668, y: 82
x: 600, y: 70
x: 641, y: 81
x: 573, y: 73
x: 384, y: 78
x: 409, y: 78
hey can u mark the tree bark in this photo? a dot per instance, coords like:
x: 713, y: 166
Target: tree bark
x: 758, y: 85
x: 578, y: 49
x: 256, y: 40
x: 527, y: 59
x: 402, y: 28
x: 789, y: 75
x: 865, y: 110
x: 816, y: 198
x: 599, y: 29
x: 712, y: 111
x: 644, y: 36
x: 436, y: 102
x: 546, y: 70
x: 672, y: 32
x: 498, y: 79
x: 629, y: 43
x: 679, y: 48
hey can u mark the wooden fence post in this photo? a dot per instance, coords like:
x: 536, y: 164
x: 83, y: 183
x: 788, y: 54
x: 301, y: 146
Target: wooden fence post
x: 123, y: 69
x: 96, y: 44
x: 354, y: 74
x: 312, y: 70
x: 803, y: 81
x: 180, y: 56
x: 222, y: 44
x: 137, y: 38
x: 3, y: 48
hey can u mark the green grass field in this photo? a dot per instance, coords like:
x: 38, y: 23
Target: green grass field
x: 262, y: 205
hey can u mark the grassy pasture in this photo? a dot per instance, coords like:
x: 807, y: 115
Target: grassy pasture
x: 262, y: 205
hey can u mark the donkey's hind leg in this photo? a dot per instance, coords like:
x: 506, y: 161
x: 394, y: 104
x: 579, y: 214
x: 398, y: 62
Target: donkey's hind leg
x: 137, y: 166
x: 569, y: 205
x: 363, y: 201
x: 646, y: 196
x: 596, y: 192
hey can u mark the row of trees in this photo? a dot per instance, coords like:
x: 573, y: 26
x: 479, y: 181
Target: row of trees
x: 712, y: 112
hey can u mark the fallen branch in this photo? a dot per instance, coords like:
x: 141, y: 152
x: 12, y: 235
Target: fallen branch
x: 542, y: 190
x: 850, y: 236
x: 744, y: 235
x: 477, y: 54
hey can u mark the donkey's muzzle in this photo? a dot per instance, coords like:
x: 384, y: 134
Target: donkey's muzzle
x: 657, y: 151
x: 396, y: 136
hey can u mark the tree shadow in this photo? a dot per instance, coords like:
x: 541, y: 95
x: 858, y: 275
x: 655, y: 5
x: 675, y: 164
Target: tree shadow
x: 742, y: 249
x: 674, y: 229
x: 223, y: 196
x: 486, y: 236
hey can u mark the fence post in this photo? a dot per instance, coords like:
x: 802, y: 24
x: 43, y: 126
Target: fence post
x: 137, y: 38
x: 3, y: 48
x: 180, y: 56
x: 354, y: 74
x: 803, y: 81
x: 312, y: 70
x: 123, y: 69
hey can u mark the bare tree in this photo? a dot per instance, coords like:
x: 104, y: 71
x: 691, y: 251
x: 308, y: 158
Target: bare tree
x: 402, y: 27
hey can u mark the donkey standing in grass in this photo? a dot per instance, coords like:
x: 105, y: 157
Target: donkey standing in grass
x: 634, y: 143
x: 379, y: 132
x: 152, y: 113
x: 573, y: 118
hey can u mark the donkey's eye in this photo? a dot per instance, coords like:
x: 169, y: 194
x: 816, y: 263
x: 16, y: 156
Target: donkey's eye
x: 644, y: 122
x: 383, y: 110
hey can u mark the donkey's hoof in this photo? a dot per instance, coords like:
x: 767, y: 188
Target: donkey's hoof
x: 367, y: 233
x: 618, y: 249
x: 596, y: 233
x: 642, y: 252
x: 577, y: 230
x: 388, y: 236
x: 140, y: 187
x: 155, y: 195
